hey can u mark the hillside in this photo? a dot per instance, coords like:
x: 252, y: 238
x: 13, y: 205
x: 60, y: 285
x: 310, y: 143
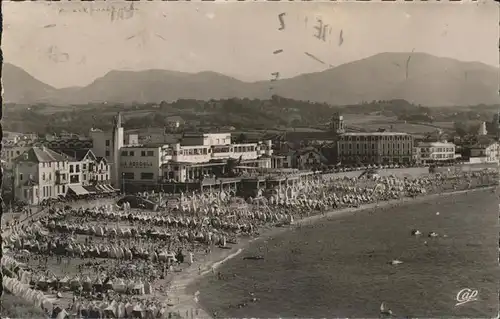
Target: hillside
x: 20, y: 87
x: 428, y: 80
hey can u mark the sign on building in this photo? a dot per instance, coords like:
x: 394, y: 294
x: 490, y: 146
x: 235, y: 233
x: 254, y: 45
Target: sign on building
x: 137, y: 164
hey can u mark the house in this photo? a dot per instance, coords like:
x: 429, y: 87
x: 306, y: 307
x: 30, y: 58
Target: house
x: 308, y: 158
x: 39, y: 174
x: 484, y: 151
x: 433, y: 152
x: 89, y: 170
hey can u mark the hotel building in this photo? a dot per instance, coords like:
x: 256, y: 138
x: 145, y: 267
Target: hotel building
x: 371, y: 147
x: 197, y: 156
x: 375, y: 148
x: 433, y: 152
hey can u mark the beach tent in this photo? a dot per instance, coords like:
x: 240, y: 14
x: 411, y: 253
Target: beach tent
x: 128, y: 309
x: 98, y: 286
x: 110, y: 311
x: 75, y: 283
x: 138, y: 288
x: 148, y: 289
x: 120, y: 310
x: 138, y: 311
x: 119, y: 286
x: 87, y: 284
x: 108, y: 285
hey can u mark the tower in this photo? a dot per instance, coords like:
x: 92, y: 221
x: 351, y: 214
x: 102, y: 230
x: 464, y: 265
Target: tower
x: 482, y: 129
x: 337, y: 124
x: 117, y: 144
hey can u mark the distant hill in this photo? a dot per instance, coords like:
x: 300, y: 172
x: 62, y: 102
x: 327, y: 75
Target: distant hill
x: 20, y: 87
x: 424, y: 79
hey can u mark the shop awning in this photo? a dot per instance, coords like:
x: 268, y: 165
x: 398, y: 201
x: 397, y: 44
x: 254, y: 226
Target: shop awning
x: 111, y: 188
x: 78, y: 189
x: 102, y: 188
x: 91, y: 189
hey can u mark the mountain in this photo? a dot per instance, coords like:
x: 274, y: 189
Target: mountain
x: 431, y: 81
x: 416, y: 77
x: 20, y: 87
x: 157, y: 85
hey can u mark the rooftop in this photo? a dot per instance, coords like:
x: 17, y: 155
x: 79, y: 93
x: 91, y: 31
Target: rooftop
x: 77, y: 154
x: 375, y: 133
x: 147, y: 145
x: 41, y: 155
x: 435, y: 143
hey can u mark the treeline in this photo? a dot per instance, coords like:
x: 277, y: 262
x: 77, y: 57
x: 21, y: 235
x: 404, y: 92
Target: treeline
x: 238, y: 113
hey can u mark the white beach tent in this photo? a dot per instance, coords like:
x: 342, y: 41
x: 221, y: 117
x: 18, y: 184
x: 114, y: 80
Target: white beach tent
x: 119, y: 285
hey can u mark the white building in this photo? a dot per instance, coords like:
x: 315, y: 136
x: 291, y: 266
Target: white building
x: 432, y: 152
x: 141, y: 163
x: 153, y: 163
x: 41, y: 173
x: 485, y: 152
x: 197, y: 155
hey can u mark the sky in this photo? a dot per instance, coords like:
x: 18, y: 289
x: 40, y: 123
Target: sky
x: 73, y: 43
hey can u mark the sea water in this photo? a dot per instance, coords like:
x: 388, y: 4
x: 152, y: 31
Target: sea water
x: 338, y: 267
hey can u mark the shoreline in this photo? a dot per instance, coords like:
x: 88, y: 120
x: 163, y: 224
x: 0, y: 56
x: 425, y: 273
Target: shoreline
x: 186, y: 303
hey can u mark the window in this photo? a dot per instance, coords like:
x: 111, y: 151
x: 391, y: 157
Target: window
x: 150, y: 153
x: 84, y: 166
x: 43, y: 176
x: 71, y: 169
x: 107, y: 153
x: 130, y: 175
x: 20, y: 176
x: 131, y: 153
x: 77, y: 167
x: 63, y: 188
x: 108, y: 142
x: 147, y: 175
x: 84, y: 177
x: 107, y: 177
x: 143, y: 153
x: 74, y: 179
x: 50, y: 176
x: 124, y: 153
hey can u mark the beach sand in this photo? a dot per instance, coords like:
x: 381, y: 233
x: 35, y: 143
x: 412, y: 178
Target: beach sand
x: 183, y: 295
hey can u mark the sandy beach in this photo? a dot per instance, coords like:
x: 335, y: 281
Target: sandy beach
x: 183, y: 295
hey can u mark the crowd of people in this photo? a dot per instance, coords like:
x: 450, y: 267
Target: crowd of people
x: 112, y: 260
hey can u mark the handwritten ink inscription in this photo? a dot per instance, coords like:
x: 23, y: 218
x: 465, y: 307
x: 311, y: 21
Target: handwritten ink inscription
x: 282, y: 21
x: 123, y: 13
x: 322, y: 30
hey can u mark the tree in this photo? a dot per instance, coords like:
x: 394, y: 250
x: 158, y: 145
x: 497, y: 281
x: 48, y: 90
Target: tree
x: 242, y: 138
x: 461, y: 128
